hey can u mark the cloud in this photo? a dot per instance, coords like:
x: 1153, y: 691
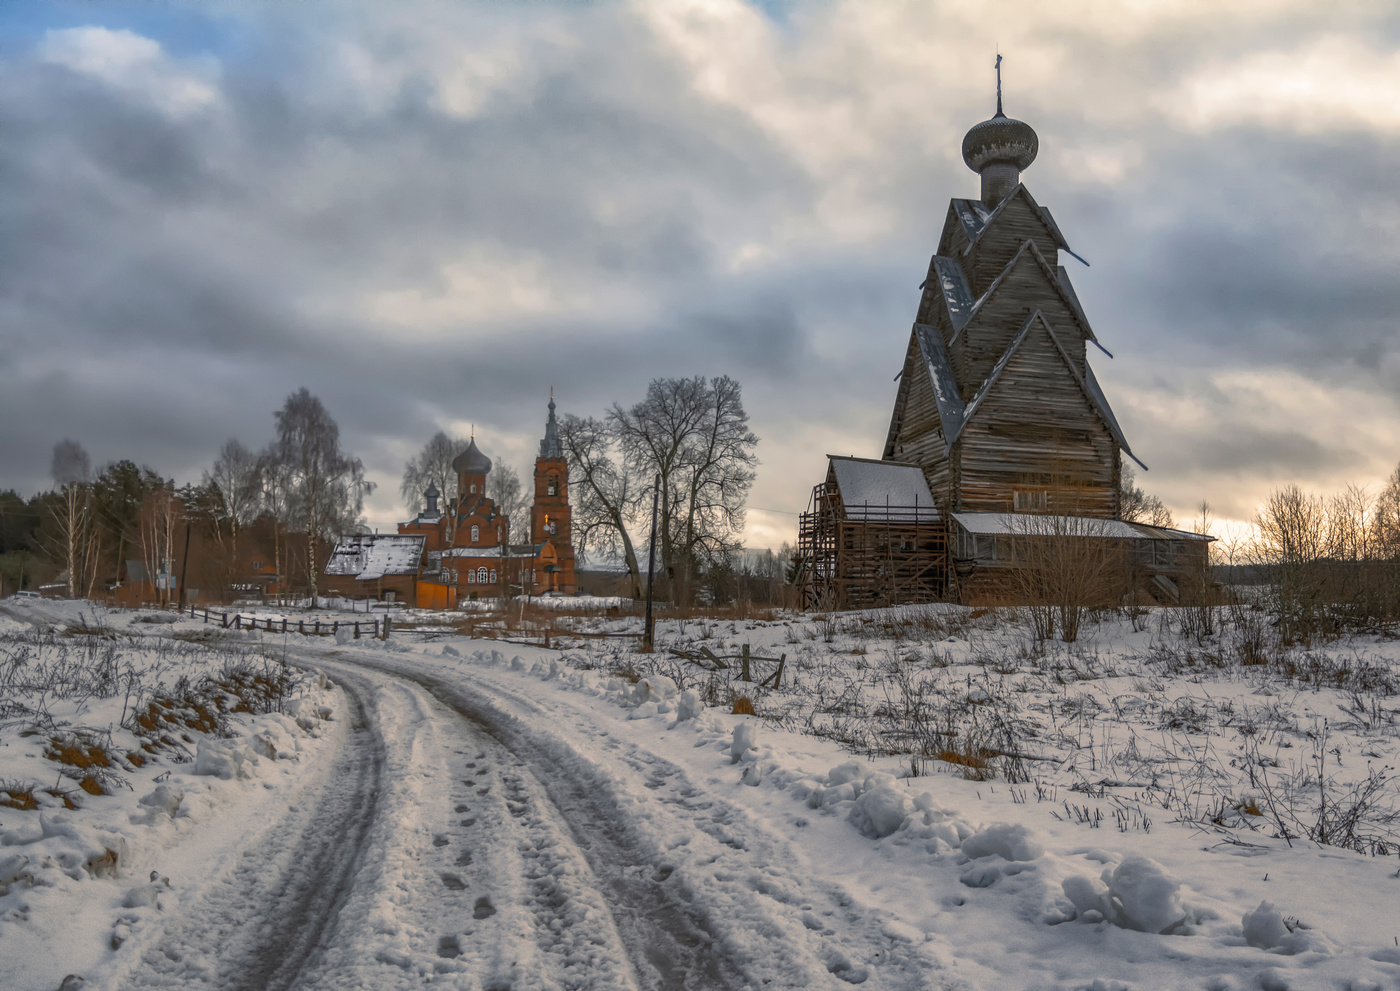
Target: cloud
x: 429, y: 214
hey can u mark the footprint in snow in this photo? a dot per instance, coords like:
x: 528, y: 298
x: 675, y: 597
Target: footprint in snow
x: 448, y: 947
x: 468, y: 822
x: 483, y: 908
x: 464, y: 859
x: 439, y: 840
x: 452, y: 882
x: 461, y: 808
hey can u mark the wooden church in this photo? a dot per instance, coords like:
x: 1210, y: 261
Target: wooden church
x: 997, y: 408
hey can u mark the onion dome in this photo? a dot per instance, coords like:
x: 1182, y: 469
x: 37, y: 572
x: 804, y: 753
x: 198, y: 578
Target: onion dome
x: 1001, y: 139
x: 999, y: 150
x: 471, y: 461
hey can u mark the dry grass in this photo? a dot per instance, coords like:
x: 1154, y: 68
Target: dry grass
x: 18, y: 796
x: 743, y: 706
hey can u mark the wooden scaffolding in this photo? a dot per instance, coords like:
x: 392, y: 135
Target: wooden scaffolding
x: 867, y: 556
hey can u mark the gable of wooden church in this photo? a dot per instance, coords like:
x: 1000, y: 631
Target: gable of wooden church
x: 1025, y: 287
x: 1036, y: 431
x: 916, y: 429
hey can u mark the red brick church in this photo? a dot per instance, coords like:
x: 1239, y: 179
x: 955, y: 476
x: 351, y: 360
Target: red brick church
x: 465, y: 550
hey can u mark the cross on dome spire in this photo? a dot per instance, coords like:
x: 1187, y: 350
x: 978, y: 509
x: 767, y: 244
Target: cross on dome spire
x: 998, y: 150
x: 999, y: 113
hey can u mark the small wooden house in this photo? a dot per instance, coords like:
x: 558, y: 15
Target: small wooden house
x: 872, y: 536
x: 380, y: 566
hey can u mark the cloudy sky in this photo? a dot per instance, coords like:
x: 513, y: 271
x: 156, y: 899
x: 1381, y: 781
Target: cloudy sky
x: 429, y: 214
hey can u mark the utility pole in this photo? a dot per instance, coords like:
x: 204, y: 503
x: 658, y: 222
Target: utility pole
x: 185, y: 566
x: 647, y: 644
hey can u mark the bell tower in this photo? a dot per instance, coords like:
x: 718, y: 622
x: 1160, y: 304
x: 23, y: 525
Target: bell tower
x: 551, y: 519
x: 550, y: 516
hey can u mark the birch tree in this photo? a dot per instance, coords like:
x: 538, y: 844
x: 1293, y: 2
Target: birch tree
x: 236, y: 481
x: 72, y: 473
x: 327, y: 485
x: 432, y: 465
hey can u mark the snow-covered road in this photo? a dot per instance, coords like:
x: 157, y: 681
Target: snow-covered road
x: 434, y: 811
x: 478, y: 837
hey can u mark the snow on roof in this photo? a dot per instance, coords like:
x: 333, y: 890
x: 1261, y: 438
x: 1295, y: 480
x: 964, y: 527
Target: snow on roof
x: 1069, y: 526
x: 373, y: 555
x: 942, y: 379
x: 882, y: 489
x: 957, y: 294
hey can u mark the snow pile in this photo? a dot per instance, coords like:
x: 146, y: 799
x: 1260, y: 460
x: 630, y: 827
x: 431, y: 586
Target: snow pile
x: 1266, y: 928
x: 1136, y: 894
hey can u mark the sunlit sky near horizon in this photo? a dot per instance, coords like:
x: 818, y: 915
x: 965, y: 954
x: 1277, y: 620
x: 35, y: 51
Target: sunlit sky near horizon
x: 431, y: 213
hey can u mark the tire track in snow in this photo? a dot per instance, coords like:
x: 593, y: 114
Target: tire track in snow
x: 268, y: 921
x: 724, y: 911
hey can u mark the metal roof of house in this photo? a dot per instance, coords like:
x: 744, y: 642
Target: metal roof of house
x: 368, y: 556
x: 887, y: 490
x: 1035, y: 525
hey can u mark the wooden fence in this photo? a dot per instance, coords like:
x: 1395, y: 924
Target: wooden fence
x: 705, y: 658
x: 237, y: 621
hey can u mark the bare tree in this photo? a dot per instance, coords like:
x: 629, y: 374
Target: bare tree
x: 694, y: 434
x: 1385, y: 520
x: 1292, y: 543
x: 603, y: 493
x: 328, y: 486
x: 432, y: 466
x: 1063, y: 566
x: 160, y: 516
x: 506, y: 490
x: 654, y: 436
x: 719, y: 473
x: 1137, y: 506
x: 276, y: 502
x: 236, y: 480
x: 72, y: 473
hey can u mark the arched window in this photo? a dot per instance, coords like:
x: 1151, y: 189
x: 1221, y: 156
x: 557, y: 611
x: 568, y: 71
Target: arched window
x: 473, y: 488
x: 553, y: 485
x: 481, y: 576
x: 471, y: 577
x: 476, y: 534
x: 493, y: 576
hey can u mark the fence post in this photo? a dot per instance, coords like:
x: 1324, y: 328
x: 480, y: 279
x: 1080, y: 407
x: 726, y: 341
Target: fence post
x: 357, y: 629
x: 335, y: 627
x: 225, y: 621
x: 284, y: 624
x: 317, y: 629
x: 744, y: 671
x: 237, y: 621
x: 301, y: 626
x: 386, y: 627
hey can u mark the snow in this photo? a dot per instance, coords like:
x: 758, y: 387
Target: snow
x: 1022, y: 523
x: 373, y: 555
x: 802, y: 863
x: 881, y: 489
